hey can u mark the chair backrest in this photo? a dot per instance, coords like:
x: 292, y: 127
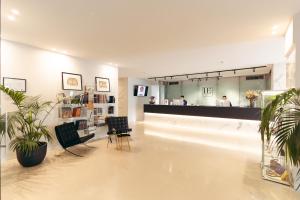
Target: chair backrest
x: 120, y: 124
x: 67, y: 135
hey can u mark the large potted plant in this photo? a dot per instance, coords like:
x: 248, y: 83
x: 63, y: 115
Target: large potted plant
x: 280, y: 126
x: 25, y: 127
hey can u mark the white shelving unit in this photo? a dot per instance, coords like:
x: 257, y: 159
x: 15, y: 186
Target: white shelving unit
x: 90, y: 116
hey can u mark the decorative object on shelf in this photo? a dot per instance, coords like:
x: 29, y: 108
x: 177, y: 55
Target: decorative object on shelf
x: 71, y: 81
x: 152, y: 100
x: 102, y: 84
x: 16, y: 84
x: 280, y: 127
x: 252, y: 95
x: 26, y: 128
x: 111, y: 99
x: 111, y: 110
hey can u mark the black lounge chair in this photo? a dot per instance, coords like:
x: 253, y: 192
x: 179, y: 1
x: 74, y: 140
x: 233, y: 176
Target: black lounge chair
x: 68, y: 136
x: 118, y: 126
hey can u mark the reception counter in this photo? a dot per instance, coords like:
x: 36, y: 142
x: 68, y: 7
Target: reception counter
x: 206, y: 111
x: 230, y: 128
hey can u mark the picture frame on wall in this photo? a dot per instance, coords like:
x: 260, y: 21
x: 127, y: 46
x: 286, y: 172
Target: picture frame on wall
x: 17, y: 84
x: 102, y: 84
x: 71, y: 81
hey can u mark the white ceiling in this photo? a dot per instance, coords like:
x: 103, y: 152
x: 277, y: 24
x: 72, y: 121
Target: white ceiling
x: 135, y: 33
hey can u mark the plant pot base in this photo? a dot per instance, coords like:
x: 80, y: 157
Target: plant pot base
x: 35, y: 158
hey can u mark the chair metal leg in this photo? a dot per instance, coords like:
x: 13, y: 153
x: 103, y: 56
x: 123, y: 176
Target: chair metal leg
x: 73, y: 153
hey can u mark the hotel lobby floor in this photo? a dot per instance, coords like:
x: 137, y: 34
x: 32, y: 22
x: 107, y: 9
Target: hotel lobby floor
x: 157, y: 168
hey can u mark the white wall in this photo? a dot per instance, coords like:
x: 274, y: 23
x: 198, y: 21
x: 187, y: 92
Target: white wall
x: 136, y: 104
x: 130, y: 105
x: 279, y: 76
x: 42, y: 70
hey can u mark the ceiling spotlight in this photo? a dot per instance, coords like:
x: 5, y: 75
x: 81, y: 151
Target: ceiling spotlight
x: 234, y: 71
x: 187, y: 76
x: 253, y: 69
x: 206, y: 79
x: 11, y: 17
x: 192, y: 80
x: 275, y: 27
x: 15, y: 11
x: 155, y: 79
x: 171, y: 77
x: 219, y: 73
x: 218, y: 78
x: 206, y: 74
x: 165, y: 78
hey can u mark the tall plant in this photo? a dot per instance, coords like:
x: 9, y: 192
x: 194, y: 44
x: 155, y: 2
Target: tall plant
x: 281, y: 119
x: 25, y: 126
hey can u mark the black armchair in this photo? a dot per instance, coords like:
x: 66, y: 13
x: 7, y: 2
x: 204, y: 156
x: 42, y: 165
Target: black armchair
x: 118, y: 126
x: 68, y: 136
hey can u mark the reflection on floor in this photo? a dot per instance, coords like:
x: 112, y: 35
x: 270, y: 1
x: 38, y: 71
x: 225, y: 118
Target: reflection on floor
x: 157, y: 168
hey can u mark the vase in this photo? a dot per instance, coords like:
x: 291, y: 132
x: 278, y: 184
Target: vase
x: 36, y: 157
x: 251, y: 103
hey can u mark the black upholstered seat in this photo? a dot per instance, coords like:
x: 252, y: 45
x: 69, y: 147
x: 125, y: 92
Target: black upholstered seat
x: 118, y: 126
x: 68, y: 136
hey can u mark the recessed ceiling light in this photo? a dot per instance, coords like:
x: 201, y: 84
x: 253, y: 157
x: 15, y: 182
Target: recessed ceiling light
x: 15, y: 11
x: 65, y: 52
x: 11, y: 18
x: 53, y: 49
x: 274, y: 32
x: 275, y: 27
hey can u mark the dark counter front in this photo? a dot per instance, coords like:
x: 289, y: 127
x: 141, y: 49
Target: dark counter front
x: 206, y: 111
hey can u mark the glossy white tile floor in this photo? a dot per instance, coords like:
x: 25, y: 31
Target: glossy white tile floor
x: 157, y: 168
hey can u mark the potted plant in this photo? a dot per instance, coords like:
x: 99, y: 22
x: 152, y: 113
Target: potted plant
x: 251, y: 95
x: 280, y: 126
x: 26, y: 128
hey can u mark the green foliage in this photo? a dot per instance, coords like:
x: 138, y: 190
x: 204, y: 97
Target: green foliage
x: 281, y: 119
x: 25, y: 127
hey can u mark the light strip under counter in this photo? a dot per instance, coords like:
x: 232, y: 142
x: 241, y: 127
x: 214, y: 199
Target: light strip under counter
x: 226, y: 133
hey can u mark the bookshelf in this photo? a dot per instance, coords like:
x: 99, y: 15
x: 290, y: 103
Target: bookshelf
x: 89, y: 115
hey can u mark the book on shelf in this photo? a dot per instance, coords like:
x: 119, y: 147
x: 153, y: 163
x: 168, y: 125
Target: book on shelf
x: 100, y: 98
x: 69, y: 112
x: 81, y: 124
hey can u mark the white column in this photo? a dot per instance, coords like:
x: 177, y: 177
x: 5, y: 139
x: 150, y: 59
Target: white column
x: 297, y: 44
x: 279, y: 76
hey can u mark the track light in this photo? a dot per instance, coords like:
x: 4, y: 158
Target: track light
x: 165, y: 78
x: 234, y: 71
x: 253, y: 69
x: 171, y: 77
x: 187, y: 76
x: 206, y: 74
x: 206, y: 79
x: 219, y: 73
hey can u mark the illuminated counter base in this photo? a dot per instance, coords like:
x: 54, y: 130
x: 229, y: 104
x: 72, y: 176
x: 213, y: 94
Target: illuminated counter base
x: 232, y: 134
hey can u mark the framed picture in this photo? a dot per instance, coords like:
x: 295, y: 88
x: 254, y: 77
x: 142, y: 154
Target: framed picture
x: 102, y: 84
x: 71, y: 81
x: 207, y: 91
x: 17, y: 84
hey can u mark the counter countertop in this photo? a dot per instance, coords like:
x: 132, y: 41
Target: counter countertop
x: 206, y: 111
